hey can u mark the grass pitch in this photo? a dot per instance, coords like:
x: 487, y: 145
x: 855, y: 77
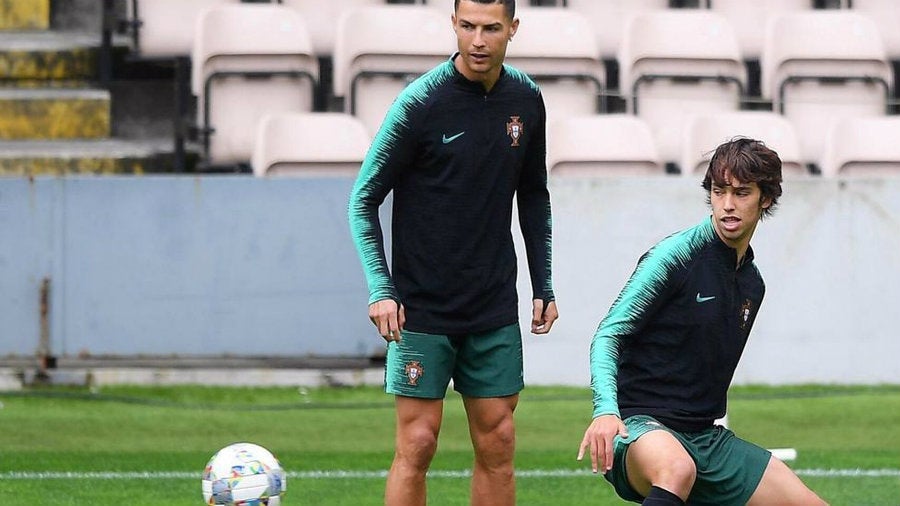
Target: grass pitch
x: 148, y: 445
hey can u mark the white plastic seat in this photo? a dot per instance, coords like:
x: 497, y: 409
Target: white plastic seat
x: 248, y: 60
x: 749, y: 19
x: 886, y: 15
x: 372, y: 63
x: 309, y: 144
x: 557, y: 48
x: 165, y: 28
x: 679, y: 62
x: 601, y: 145
x: 608, y: 19
x: 703, y: 133
x: 321, y: 17
x: 821, y: 66
x: 865, y: 147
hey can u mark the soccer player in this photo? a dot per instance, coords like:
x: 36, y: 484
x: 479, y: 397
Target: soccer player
x: 456, y: 147
x: 663, y: 357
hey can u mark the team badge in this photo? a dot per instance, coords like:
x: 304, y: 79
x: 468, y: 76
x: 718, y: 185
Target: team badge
x: 414, y: 371
x: 745, y: 313
x: 515, y: 129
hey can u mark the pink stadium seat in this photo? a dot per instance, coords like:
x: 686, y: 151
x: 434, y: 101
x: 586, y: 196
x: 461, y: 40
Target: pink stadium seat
x: 321, y: 17
x: 865, y: 147
x: 820, y: 66
x: 886, y: 15
x: 678, y: 62
x: 248, y: 60
x: 601, y: 145
x: 608, y: 18
x: 309, y: 144
x: 704, y: 132
x: 165, y: 28
x: 558, y: 49
x: 749, y: 19
x: 372, y: 63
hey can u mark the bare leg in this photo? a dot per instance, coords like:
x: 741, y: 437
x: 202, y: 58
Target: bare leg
x: 781, y: 487
x: 493, y: 435
x: 658, y: 459
x: 418, y: 425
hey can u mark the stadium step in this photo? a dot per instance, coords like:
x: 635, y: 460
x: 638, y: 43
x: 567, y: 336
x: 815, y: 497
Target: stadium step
x: 24, y: 14
x: 48, y: 55
x: 54, y: 114
x: 106, y: 156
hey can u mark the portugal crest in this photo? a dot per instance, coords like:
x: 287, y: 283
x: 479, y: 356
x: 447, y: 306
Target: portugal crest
x: 515, y: 129
x: 414, y: 371
x: 746, y: 309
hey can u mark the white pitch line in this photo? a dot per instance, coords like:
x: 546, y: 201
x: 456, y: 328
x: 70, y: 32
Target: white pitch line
x: 346, y: 474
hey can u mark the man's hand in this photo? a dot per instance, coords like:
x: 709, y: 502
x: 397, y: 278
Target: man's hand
x: 542, y: 318
x: 598, y: 439
x: 388, y: 318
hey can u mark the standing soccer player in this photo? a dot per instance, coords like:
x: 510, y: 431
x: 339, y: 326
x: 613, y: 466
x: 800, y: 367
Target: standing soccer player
x: 456, y: 147
x: 663, y: 357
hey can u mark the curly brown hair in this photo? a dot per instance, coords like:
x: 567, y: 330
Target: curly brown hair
x: 748, y: 161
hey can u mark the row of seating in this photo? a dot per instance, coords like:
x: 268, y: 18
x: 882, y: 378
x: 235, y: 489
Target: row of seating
x: 617, y: 145
x: 250, y: 59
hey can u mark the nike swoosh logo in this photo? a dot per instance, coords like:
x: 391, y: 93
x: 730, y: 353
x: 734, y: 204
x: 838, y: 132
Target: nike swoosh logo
x: 704, y: 299
x: 448, y: 140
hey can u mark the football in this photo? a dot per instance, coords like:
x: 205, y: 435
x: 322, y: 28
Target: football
x: 243, y: 474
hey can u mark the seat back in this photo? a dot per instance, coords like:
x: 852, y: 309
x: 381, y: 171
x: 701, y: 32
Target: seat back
x: 372, y: 64
x: 864, y: 147
x: 749, y: 19
x: 248, y: 60
x: 607, y: 18
x: 557, y: 48
x: 820, y: 66
x: 322, y: 17
x: 165, y: 28
x: 679, y: 62
x: 886, y: 15
x: 704, y: 132
x: 601, y: 145
x: 309, y: 144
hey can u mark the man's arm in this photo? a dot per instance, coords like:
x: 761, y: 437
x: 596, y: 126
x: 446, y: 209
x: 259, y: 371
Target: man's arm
x: 535, y: 221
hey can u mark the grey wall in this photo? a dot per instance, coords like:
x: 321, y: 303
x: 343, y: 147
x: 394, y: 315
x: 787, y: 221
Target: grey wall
x: 231, y: 265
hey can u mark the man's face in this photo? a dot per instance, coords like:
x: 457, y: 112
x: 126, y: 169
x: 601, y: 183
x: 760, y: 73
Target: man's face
x: 482, y: 33
x: 737, y: 208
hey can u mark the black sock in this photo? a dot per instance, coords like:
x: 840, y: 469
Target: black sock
x: 662, y: 497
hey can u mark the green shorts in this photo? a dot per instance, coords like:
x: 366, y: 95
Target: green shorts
x: 486, y: 364
x: 728, y: 468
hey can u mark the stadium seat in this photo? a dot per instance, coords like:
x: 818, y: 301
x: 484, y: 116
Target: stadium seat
x: 321, y: 17
x: 601, y: 145
x: 381, y: 49
x: 608, y: 19
x: 679, y: 62
x: 749, y: 19
x: 165, y: 28
x: 704, y: 132
x: 248, y: 60
x: 558, y: 49
x: 863, y: 147
x: 309, y: 144
x: 823, y: 65
x: 886, y: 15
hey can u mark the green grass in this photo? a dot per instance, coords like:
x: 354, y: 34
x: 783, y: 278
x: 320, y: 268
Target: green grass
x: 156, y: 429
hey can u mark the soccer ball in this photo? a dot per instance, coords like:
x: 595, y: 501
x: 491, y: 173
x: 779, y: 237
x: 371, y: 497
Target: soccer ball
x: 243, y: 474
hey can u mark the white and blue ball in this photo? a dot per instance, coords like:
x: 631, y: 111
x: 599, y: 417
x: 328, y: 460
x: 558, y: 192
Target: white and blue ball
x: 243, y: 474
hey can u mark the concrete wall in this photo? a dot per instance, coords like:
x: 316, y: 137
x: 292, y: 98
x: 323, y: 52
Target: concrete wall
x: 231, y: 265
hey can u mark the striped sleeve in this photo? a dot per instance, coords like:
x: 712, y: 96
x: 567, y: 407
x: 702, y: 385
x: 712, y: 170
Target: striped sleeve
x: 392, y: 151
x: 657, y: 275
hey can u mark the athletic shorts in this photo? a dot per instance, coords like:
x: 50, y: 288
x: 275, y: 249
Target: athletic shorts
x: 486, y: 364
x: 728, y: 468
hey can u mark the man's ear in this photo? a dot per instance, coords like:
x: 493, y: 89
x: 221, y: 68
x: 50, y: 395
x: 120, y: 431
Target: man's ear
x: 513, y: 28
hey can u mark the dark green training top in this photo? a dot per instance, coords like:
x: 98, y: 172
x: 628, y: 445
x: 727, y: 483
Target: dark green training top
x: 454, y: 156
x: 671, y: 341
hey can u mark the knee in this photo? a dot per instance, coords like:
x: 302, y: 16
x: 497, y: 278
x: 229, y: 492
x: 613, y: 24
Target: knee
x: 416, y: 447
x: 678, y: 476
x: 496, y: 446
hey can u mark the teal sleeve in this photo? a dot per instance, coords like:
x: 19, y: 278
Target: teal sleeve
x: 657, y: 275
x: 535, y: 219
x: 390, y: 153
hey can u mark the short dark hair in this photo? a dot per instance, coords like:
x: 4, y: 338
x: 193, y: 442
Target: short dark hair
x: 748, y: 161
x: 509, y: 4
